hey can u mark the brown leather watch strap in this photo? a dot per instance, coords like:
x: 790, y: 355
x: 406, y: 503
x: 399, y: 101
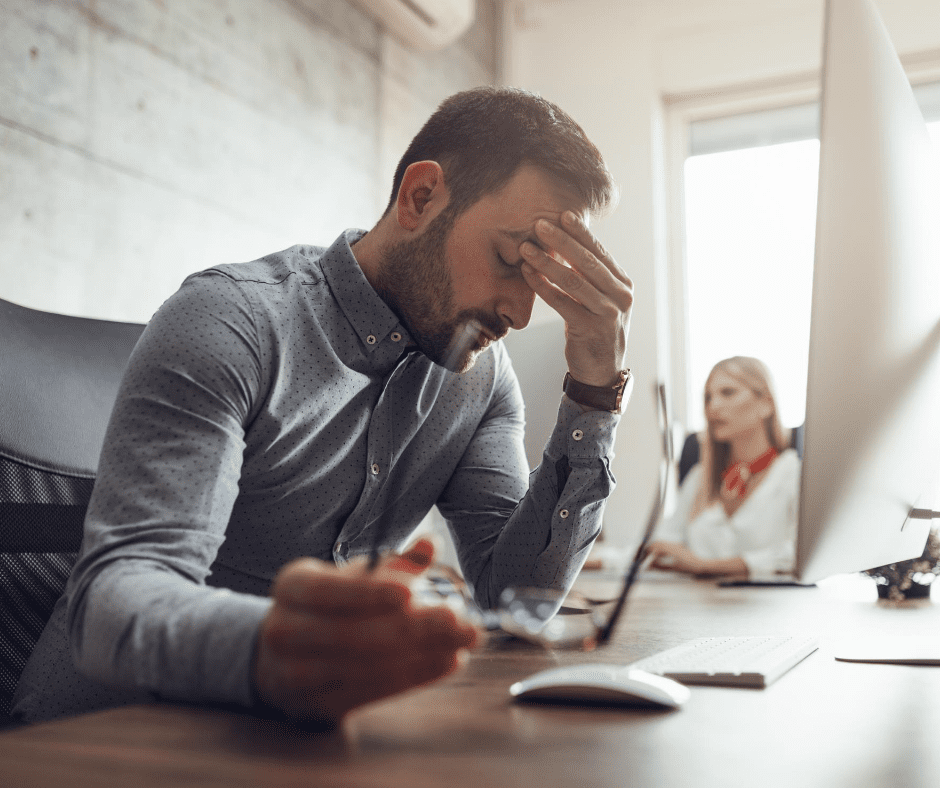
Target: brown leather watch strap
x: 612, y: 398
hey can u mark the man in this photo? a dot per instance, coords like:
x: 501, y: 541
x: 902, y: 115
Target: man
x: 317, y: 403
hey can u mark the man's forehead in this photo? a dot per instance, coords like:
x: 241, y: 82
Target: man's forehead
x: 531, y: 194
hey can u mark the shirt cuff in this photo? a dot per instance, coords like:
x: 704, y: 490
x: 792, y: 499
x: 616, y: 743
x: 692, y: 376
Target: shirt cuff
x: 580, y: 434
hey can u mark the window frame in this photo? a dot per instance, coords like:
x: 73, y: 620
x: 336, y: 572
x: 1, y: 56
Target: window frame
x: 680, y: 111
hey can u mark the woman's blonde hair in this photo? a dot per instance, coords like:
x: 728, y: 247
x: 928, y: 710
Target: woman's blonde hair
x: 716, y: 455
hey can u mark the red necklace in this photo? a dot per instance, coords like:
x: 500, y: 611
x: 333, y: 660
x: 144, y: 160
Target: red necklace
x: 735, y: 478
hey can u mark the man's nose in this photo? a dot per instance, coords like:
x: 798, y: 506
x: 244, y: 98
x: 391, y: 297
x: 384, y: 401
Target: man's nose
x: 515, y: 305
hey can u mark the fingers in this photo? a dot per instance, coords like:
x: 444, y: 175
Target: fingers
x: 336, y: 638
x: 591, y: 277
x: 404, y: 675
x: 576, y: 233
x: 317, y: 587
x: 291, y: 633
x: 579, y: 279
x: 559, y: 286
x: 320, y: 668
x: 364, y: 684
x: 413, y: 561
x: 328, y: 691
x: 572, y: 294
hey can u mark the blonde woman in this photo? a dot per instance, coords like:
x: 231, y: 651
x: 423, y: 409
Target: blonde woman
x: 737, y: 508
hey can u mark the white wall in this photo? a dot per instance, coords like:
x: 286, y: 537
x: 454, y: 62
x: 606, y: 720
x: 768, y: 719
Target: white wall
x: 619, y: 68
x: 142, y: 140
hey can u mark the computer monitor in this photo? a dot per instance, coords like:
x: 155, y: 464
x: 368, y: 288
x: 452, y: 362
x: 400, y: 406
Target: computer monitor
x: 872, y: 441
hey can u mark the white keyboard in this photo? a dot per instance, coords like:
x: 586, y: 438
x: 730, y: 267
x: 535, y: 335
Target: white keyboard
x: 730, y: 661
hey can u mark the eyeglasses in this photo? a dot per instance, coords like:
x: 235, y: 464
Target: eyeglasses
x: 553, y: 617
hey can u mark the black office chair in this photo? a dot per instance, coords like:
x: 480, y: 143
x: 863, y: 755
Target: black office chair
x: 690, y: 450
x: 58, y: 379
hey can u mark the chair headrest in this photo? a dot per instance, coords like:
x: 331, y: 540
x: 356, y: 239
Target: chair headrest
x: 59, y: 377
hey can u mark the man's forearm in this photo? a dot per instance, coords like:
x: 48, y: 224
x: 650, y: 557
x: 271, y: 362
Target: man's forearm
x: 546, y: 537
x: 137, y: 627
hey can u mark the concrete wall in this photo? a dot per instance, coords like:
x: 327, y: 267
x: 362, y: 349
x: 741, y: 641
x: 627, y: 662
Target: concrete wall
x: 623, y: 69
x: 142, y: 140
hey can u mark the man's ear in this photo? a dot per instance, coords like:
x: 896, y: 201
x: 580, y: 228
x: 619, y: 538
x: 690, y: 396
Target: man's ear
x: 421, y: 196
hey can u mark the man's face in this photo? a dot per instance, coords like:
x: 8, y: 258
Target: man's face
x: 458, y: 287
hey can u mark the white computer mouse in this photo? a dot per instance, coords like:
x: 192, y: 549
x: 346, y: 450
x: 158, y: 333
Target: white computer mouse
x: 601, y: 684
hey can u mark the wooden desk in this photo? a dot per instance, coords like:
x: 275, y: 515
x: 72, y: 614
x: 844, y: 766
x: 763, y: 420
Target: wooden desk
x: 825, y: 723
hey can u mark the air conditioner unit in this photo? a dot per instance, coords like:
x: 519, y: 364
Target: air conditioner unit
x: 423, y: 24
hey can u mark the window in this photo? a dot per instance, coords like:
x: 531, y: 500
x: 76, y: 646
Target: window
x: 750, y: 213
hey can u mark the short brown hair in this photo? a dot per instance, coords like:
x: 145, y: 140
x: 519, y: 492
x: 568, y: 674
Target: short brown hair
x: 480, y: 138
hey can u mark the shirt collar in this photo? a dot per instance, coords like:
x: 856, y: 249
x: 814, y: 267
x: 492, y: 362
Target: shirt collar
x: 369, y: 316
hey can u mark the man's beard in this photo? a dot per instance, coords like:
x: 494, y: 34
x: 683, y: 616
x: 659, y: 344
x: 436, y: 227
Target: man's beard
x: 414, y: 281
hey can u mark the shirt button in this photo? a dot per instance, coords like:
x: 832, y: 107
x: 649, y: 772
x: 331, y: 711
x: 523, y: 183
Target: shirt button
x: 371, y: 339
x: 375, y: 469
x: 577, y: 435
x: 396, y: 337
x: 563, y: 514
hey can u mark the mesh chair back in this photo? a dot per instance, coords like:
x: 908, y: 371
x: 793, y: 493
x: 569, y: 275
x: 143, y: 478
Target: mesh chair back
x: 58, y: 379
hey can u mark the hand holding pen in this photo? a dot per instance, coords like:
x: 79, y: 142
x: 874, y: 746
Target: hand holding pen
x: 340, y: 637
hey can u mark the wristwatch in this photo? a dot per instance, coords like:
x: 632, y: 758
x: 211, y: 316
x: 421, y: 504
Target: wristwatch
x: 613, y: 398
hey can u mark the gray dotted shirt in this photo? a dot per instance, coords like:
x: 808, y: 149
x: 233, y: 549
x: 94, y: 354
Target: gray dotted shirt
x: 270, y: 411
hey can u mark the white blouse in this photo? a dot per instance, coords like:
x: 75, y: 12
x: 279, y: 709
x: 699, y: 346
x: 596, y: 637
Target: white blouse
x: 762, y: 530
